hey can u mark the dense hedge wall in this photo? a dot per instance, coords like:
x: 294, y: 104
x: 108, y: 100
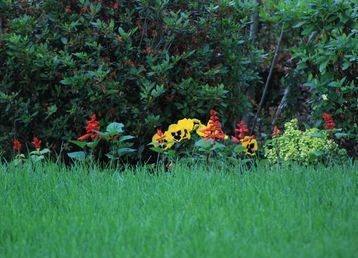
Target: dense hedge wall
x: 147, y: 63
x: 144, y: 63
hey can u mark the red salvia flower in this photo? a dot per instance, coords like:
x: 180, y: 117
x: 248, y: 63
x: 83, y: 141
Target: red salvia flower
x: 241, y: 128
x: 329, y: 121
x: 275, y: 132
x: 16, y: 145
x: 235, y: 139
x: 213, y: 131
x: 161, y: 135
x: 36, y: 142
x: 92, y: 125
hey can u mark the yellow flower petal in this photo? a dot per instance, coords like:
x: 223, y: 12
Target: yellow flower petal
x: 179, y: 133
x: 250, y: 146
x: 199, y: 130
x: 187, y: 124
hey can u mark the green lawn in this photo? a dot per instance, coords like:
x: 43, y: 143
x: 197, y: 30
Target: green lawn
x: 296, y: 212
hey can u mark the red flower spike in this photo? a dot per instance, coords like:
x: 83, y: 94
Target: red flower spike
x: 326, y: 117
x: 161, y: 135
x: 213, y: 131
x: 242, y: 129
x: 330, y: 126
x: 275, y: 132
x: 37, y: 143
x: 236, y: 140
x: 329, y: 121
x: 16, y: 145
x: 92, y: 125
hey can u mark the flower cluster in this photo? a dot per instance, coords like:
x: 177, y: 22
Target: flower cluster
x: 178, y: 132
x: 330, y: 125
x: 248, y: 142
x: 92, y: 127
x: 16, y: 144
x: 213, y: 130
x: 241, y: 128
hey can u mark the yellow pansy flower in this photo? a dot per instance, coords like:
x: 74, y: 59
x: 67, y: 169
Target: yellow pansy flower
x: 178, y: 133
x: 186, y: 123
x: 199, y: 130
x: 250, y: 145
x: 167, y: 140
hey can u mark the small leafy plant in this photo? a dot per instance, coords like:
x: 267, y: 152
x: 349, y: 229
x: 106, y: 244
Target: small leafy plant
x: 38, y: 154
x: 119, y: 144
x: 304, y: 147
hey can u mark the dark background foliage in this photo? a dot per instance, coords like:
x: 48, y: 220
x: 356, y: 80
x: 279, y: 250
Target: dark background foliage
x: 149, y: 63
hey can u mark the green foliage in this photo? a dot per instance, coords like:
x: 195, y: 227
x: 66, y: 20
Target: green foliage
x: 119, y: 145
x: 324, y: 47
x: 141, y: 62
x: 331, y: 61
x: 305, y: 147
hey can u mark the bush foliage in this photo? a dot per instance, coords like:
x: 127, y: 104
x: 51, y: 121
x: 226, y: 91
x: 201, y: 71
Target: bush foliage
x: 139, y: 62
x: 148, y: 62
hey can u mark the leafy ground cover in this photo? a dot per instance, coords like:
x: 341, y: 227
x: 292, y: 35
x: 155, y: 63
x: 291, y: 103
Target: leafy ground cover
x: 53, y: 211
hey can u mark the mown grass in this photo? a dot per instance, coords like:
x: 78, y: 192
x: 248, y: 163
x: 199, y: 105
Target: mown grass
x: 191, y: 212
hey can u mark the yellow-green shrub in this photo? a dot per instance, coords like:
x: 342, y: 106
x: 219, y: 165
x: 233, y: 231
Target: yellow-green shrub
x: 306, y: 147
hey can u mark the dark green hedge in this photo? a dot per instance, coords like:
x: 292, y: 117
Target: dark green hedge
x: 144, y: 63
x: 148, y: 63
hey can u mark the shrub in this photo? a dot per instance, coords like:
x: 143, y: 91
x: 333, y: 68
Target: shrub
x: 305, y: 147
x: 328, y: 62
x: 144, y: 62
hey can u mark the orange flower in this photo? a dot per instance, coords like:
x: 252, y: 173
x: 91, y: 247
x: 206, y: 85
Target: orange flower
x: 213, y: 131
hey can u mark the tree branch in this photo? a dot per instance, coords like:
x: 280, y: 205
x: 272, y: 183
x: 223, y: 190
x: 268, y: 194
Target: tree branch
x: 268, y: 78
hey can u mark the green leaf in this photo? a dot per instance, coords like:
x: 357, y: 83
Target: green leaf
x: 79, y: 143
x: 239, y: 149
x: 124, y: 151
x: 322, y: 67
x: 217, y: 146
x: 318, y: 135
x: 341, y: 135
x: 36, y: 158
x: 77, y: 155
x: 44, y: 151
x: 64, y: 40
x: 205, y: 144
x: 102, y: 134
x: 299, y: 24
x: 114, y: 128
x: 110, y: 156
x: 171, y: 152
x: 157, y: 149
x: 126, y: 138
x: 92, y: 145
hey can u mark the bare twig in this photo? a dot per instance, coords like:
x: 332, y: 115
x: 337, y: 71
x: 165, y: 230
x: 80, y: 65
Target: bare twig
x: 281, y: 105
x: 268, y: 78
x: 287, y: 89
